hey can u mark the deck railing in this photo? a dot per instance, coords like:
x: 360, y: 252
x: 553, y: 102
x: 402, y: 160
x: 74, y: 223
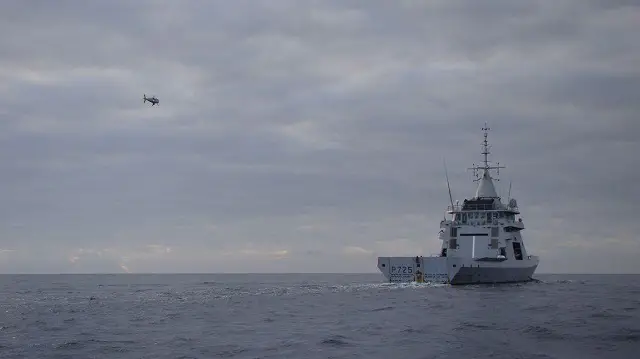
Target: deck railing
x: 494, y: 221
x: 471, y: 207
x: 478, y: 207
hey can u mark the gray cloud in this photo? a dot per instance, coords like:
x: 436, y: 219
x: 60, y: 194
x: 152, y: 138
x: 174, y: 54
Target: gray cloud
x: 310, y: 132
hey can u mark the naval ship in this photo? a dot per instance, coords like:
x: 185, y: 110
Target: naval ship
x: 481, y: 242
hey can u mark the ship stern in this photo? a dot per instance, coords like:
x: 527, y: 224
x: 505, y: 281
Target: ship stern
x: 415, y: 269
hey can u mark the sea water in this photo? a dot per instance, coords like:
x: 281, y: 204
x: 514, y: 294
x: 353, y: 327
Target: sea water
x: 315, y: 316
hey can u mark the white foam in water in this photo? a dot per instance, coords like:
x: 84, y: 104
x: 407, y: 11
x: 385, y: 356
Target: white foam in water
x: 388, y: 286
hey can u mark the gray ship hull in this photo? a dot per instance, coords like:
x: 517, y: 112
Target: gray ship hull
x: 488, y: 275
x: 456, y: 271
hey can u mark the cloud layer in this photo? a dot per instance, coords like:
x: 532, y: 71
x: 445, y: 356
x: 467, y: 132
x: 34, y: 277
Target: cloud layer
x: 309, y: 136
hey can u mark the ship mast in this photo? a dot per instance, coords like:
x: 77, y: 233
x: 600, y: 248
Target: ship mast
x: 480, y: 171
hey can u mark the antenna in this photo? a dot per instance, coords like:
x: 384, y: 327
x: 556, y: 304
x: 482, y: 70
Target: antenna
x: 448, y: 186
x: 485, y: 152
x: 509, y: 196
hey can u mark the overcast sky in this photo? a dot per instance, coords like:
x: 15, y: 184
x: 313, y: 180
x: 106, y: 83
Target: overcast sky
x: 309, y: 136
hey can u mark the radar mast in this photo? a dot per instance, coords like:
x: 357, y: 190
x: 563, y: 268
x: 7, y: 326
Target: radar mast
x: 485, y: 189
x: 480, y: 171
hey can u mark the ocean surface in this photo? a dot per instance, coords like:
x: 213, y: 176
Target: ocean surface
x: 315, y: 316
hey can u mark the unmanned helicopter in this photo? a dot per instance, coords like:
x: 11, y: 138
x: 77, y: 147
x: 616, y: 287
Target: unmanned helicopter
x: 154, y: 100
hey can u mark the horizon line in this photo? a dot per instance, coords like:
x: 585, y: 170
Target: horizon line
x: 277, y: 273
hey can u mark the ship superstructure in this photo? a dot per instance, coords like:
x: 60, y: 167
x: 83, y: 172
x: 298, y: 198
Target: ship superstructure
x: 481, y: 242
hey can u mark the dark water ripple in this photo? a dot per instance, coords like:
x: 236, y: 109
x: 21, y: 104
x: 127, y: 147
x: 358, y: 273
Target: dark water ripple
x: 315, y: 316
